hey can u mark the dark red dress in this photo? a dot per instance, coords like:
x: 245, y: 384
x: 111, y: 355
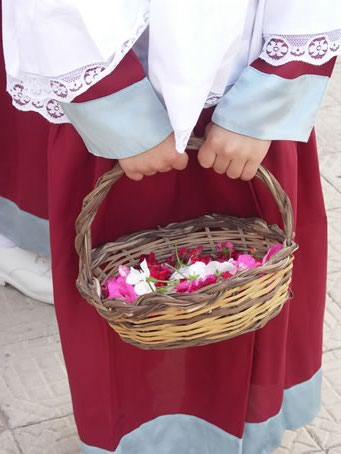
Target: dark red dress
x: 235, y: 396
x: 116, y: 387
x: 23, y: 154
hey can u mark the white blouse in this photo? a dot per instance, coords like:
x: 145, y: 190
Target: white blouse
x: 57, y: 49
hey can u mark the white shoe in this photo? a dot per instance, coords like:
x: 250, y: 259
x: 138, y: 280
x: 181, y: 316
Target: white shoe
x: 27, y: 272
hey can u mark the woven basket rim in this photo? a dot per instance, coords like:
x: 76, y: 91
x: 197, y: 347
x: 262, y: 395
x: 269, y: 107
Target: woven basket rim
x: 244, y: 302
x: 163, y: 231
x: 278, y: 261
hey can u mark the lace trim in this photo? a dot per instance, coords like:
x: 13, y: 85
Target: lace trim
x: 43, y: 94
x: 313, y: 49
x: 213, y: 99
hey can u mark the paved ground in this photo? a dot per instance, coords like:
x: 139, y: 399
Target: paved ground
x: 35, y: 409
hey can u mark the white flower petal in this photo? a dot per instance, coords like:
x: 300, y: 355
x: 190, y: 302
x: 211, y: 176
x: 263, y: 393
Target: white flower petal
x: 145, y: 269
x: 134, y: 277
x: 176, y: 275
x: 142, y: 288
x: 226, y: 267
x: 234, y: 265
x: 212, y: 268
x: 197, y: 269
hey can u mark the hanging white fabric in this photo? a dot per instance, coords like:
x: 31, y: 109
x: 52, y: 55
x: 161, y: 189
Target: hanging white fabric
x: 301, y: 17
x: 54, y: 37
x: 57, y: 49
x: 189, y: 42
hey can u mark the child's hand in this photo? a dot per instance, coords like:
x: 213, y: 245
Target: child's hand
x: 233, y: 154
x: 161, y: 158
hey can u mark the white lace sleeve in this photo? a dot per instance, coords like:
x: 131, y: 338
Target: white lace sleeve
x: 313, y: 49
x: 42, y: 94
x: 30, y: 85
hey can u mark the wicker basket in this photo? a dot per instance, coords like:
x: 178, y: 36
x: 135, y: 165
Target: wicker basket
x: 243, y: 303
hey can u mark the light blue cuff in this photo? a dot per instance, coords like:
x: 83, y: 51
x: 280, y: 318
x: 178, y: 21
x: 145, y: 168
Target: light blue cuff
x: 269, y: 107
x: 123, y: 124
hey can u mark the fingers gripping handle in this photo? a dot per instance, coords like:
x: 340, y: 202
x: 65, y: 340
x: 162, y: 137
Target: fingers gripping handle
x: 93, y: 200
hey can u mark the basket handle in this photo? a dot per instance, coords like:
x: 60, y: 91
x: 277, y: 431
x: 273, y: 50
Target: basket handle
x: 93, y: 200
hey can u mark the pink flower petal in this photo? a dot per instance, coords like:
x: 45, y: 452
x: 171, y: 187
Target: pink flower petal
x: 123, y: 270
x: 118, y: 288
x: 182, y: 287
x: 272, y: 251
x: 246, y: 261
x: 224, y: 245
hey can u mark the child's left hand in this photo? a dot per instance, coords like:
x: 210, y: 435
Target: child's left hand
x: 232, y: 154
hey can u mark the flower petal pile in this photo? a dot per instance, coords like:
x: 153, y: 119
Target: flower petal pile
x: 185, y: 272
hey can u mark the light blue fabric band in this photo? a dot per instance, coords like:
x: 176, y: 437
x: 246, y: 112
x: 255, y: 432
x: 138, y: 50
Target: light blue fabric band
x: 183, y: 434
x: 123, y: 124
x: 266, y: 106
x: 24, y: 229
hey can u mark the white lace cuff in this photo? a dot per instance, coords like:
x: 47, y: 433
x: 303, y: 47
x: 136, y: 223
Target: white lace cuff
x: 313, y: 49
x: 44, y: 94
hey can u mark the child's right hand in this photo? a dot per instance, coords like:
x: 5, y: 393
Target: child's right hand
x: 161, y: 158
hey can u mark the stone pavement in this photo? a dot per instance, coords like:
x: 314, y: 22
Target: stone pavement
x: 35, y: 409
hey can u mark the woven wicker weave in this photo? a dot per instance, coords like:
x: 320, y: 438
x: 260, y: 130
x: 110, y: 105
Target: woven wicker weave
x: 243, y: 303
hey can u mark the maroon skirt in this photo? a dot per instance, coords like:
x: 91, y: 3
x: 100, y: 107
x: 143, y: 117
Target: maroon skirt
x: 23, y: 154
x: 23, y: 173
x: 230, y: 385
